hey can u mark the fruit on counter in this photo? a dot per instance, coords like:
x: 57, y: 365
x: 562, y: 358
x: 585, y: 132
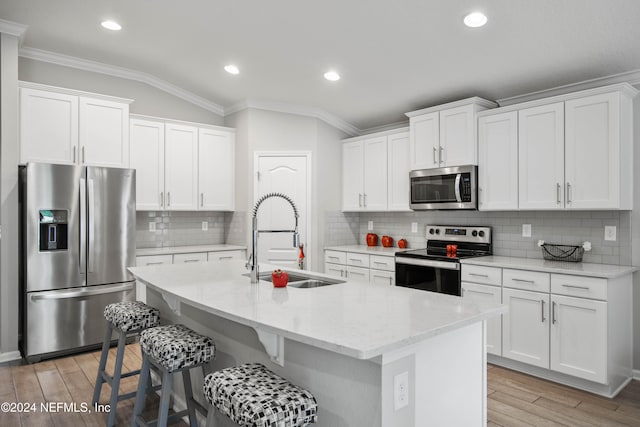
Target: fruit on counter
x: 402, y: 243
x: 372, y: 239
x: 279, y: 278
x: 387, y: 241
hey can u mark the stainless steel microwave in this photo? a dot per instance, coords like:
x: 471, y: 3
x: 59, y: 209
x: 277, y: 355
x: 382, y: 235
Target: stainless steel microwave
x: 444, y: 188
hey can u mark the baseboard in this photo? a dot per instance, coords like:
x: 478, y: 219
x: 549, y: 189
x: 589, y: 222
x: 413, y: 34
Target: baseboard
x: 636, y: 374
x: 10, y: 356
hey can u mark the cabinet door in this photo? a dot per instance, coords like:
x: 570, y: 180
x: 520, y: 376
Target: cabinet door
x: 457, y: 136
x: 216, y: 173
x: 541, y: 157
x: 226, y: 255
x: 336, y: 270
x: 487, y: 294
x: 147, y: 158
x: 48, y: 127
x: 579, y: 337
x: 181, y: 167
x: 375, y: 174
x: 398, y: 168
x: 352, y: 175
x: 498, y: 162
x: 526, y: 327
x: 382, y: 277
x: 104, y: 133
x: 592, y: 149
x: 141, y: 290
x: 357, y: 273
x: 424, y: 139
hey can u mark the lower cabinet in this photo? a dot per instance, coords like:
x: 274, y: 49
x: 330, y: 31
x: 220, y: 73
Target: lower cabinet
x: 189, y: 257
x: 226, y: 255
x: 487, y: 294
x: 361, y: 267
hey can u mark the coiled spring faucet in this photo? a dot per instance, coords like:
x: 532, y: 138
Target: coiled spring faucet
x: 252, y: 262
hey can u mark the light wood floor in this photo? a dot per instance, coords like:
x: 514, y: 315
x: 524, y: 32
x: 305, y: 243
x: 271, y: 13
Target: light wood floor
x: 514, y: 399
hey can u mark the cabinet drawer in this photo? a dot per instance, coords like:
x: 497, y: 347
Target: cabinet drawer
x: 225, y: 255
x: 380, y: 262
x: 335, y: 257
x: 382, y: 276
x: 358, y: 260
x: 527, y: 280
x: 194, y: 257
x: 579, y: 286
x: 481, y: 274
x: 145, y: 260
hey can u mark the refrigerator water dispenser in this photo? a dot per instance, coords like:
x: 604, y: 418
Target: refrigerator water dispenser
x: 54, y: 230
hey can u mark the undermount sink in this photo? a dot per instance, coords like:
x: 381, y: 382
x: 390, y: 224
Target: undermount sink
x: 300, y: 281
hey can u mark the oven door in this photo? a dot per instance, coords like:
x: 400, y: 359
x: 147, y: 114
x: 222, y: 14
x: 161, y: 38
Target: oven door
x: 428, y: 275
x: 443, y: 188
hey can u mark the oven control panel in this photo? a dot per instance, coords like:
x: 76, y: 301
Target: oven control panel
x: 459, y: 233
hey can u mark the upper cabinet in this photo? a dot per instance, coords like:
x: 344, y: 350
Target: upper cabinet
x: 70, y: 127
x: 375, y: 172
x: 445, y: 135
x: 182, y: 166
x: 575, y: 151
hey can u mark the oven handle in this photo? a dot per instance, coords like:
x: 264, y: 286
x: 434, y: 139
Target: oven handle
x: 429, y: 263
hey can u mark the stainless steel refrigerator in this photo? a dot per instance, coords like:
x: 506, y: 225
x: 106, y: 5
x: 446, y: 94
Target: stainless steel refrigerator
x: 77, y: 238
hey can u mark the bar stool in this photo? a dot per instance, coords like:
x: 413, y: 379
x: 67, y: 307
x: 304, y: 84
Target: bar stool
x: 171, y: 349
x: 125, y: 318
x: 251, y: 396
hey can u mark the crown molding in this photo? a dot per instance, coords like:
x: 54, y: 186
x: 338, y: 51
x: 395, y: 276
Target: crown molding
x: 281, y: 107
x: 388, y: 127
x: 631, y: 77
x: 13, y: 29
x: 121, y: 72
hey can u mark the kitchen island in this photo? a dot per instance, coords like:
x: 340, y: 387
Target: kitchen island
x: 351, y: 344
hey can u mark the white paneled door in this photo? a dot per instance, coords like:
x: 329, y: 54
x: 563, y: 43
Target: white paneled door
x: 287, y: 174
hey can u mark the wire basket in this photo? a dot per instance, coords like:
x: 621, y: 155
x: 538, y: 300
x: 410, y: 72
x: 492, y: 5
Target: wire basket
x: 570, y: 253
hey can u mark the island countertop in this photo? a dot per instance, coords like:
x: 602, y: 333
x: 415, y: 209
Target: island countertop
x: 356, y: 319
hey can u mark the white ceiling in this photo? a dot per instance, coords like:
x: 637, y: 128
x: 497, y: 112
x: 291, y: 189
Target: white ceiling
x: 394, y: 55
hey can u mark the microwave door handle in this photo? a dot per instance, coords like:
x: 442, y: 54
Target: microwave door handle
x: 457, y: 185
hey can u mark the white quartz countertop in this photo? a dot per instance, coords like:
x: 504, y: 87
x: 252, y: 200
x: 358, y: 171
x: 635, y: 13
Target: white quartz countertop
x: 168, y: 250
x: 357, y: 319
x: 606, y: 271
x: 364, y: 249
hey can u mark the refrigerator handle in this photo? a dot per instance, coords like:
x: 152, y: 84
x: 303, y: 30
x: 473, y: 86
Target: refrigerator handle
x: 91, y: 221
x: 82, y: 293
x: 83, y: 226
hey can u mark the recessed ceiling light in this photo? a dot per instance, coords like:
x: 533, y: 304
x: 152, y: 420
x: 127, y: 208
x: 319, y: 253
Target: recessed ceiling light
x: 475, y: 19
x: 111, y: 25
x: 231, y: 69
x: 332, y: 76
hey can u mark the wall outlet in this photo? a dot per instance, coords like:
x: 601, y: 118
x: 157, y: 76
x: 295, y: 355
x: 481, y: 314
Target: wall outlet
x: 414, y: 227
x: 152, y: 226
x: 205, y: 225
x: 370, y: 226
x: 526, y: 230
x: 610, y: 232
x: 400, y: 390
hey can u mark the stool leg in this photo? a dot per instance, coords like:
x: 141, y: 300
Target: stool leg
x: 165, y: 396
x: 103, y: 363
x: 188, y: 397
x: 142, y: 389
x: 115, y: 384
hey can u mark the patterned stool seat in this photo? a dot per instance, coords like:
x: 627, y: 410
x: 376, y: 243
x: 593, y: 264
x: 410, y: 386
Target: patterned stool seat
x: 252, y: 395
x: 132, y: 315
x: 177, y: 347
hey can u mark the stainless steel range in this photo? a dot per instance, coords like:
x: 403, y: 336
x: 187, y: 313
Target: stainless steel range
x: 437, y: 267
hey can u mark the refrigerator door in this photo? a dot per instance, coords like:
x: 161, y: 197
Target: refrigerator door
x: 111, y: 224
x: 52, y: 246
x: 69, y: 319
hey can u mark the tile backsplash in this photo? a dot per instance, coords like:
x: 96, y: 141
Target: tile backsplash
x: 176, y: 228
x: 564, y: 227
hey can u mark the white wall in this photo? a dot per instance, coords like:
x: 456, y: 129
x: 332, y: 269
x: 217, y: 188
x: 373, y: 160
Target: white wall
x: 635, y: 234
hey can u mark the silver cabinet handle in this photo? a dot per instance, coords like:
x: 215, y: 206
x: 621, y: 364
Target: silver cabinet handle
x: 585, y: 288
x: 364, y: 200
x: 553, y: 312
x: 390, y: 281
x: 568, y: 192
x: 191, y: 260
x: 201, y: 199
x: 225, y: 257
x: 359, y: 200
x: 441, y: 155
x: 162, y: 199
x: 542, y: 311
x: 74, y: 154
x: 523, y: 281
x: 558, y: 192
x: 83, y: 154
x: 168, y: 199
x: 155, y: 263
x: 479, y: 275
x: 333, y: 257
x: 379, y: 263
x: 435, y: 158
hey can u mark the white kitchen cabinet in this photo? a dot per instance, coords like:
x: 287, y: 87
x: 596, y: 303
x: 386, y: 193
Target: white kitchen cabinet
x: 337, y: 270
x: 487, y: 294
x: 186, y: 258
x: 181, y: 167
x: 579, y: 337
x: 146, y: 260
x: 525, y: 327
x: 360, y: 266
x: 216, y: 170
x: 541, y: 157
x: 69, y: 127
x: 382, y: 269
x: 364, y: 173
x: 226, y: 255
x: 398, y: 168
x: 360, y: 274
x: 352, y: 175
x: 104, y: 133
x: 147, y: 158
x: 383, y: 277
x: 498, y: 162
x: 445, y: 135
